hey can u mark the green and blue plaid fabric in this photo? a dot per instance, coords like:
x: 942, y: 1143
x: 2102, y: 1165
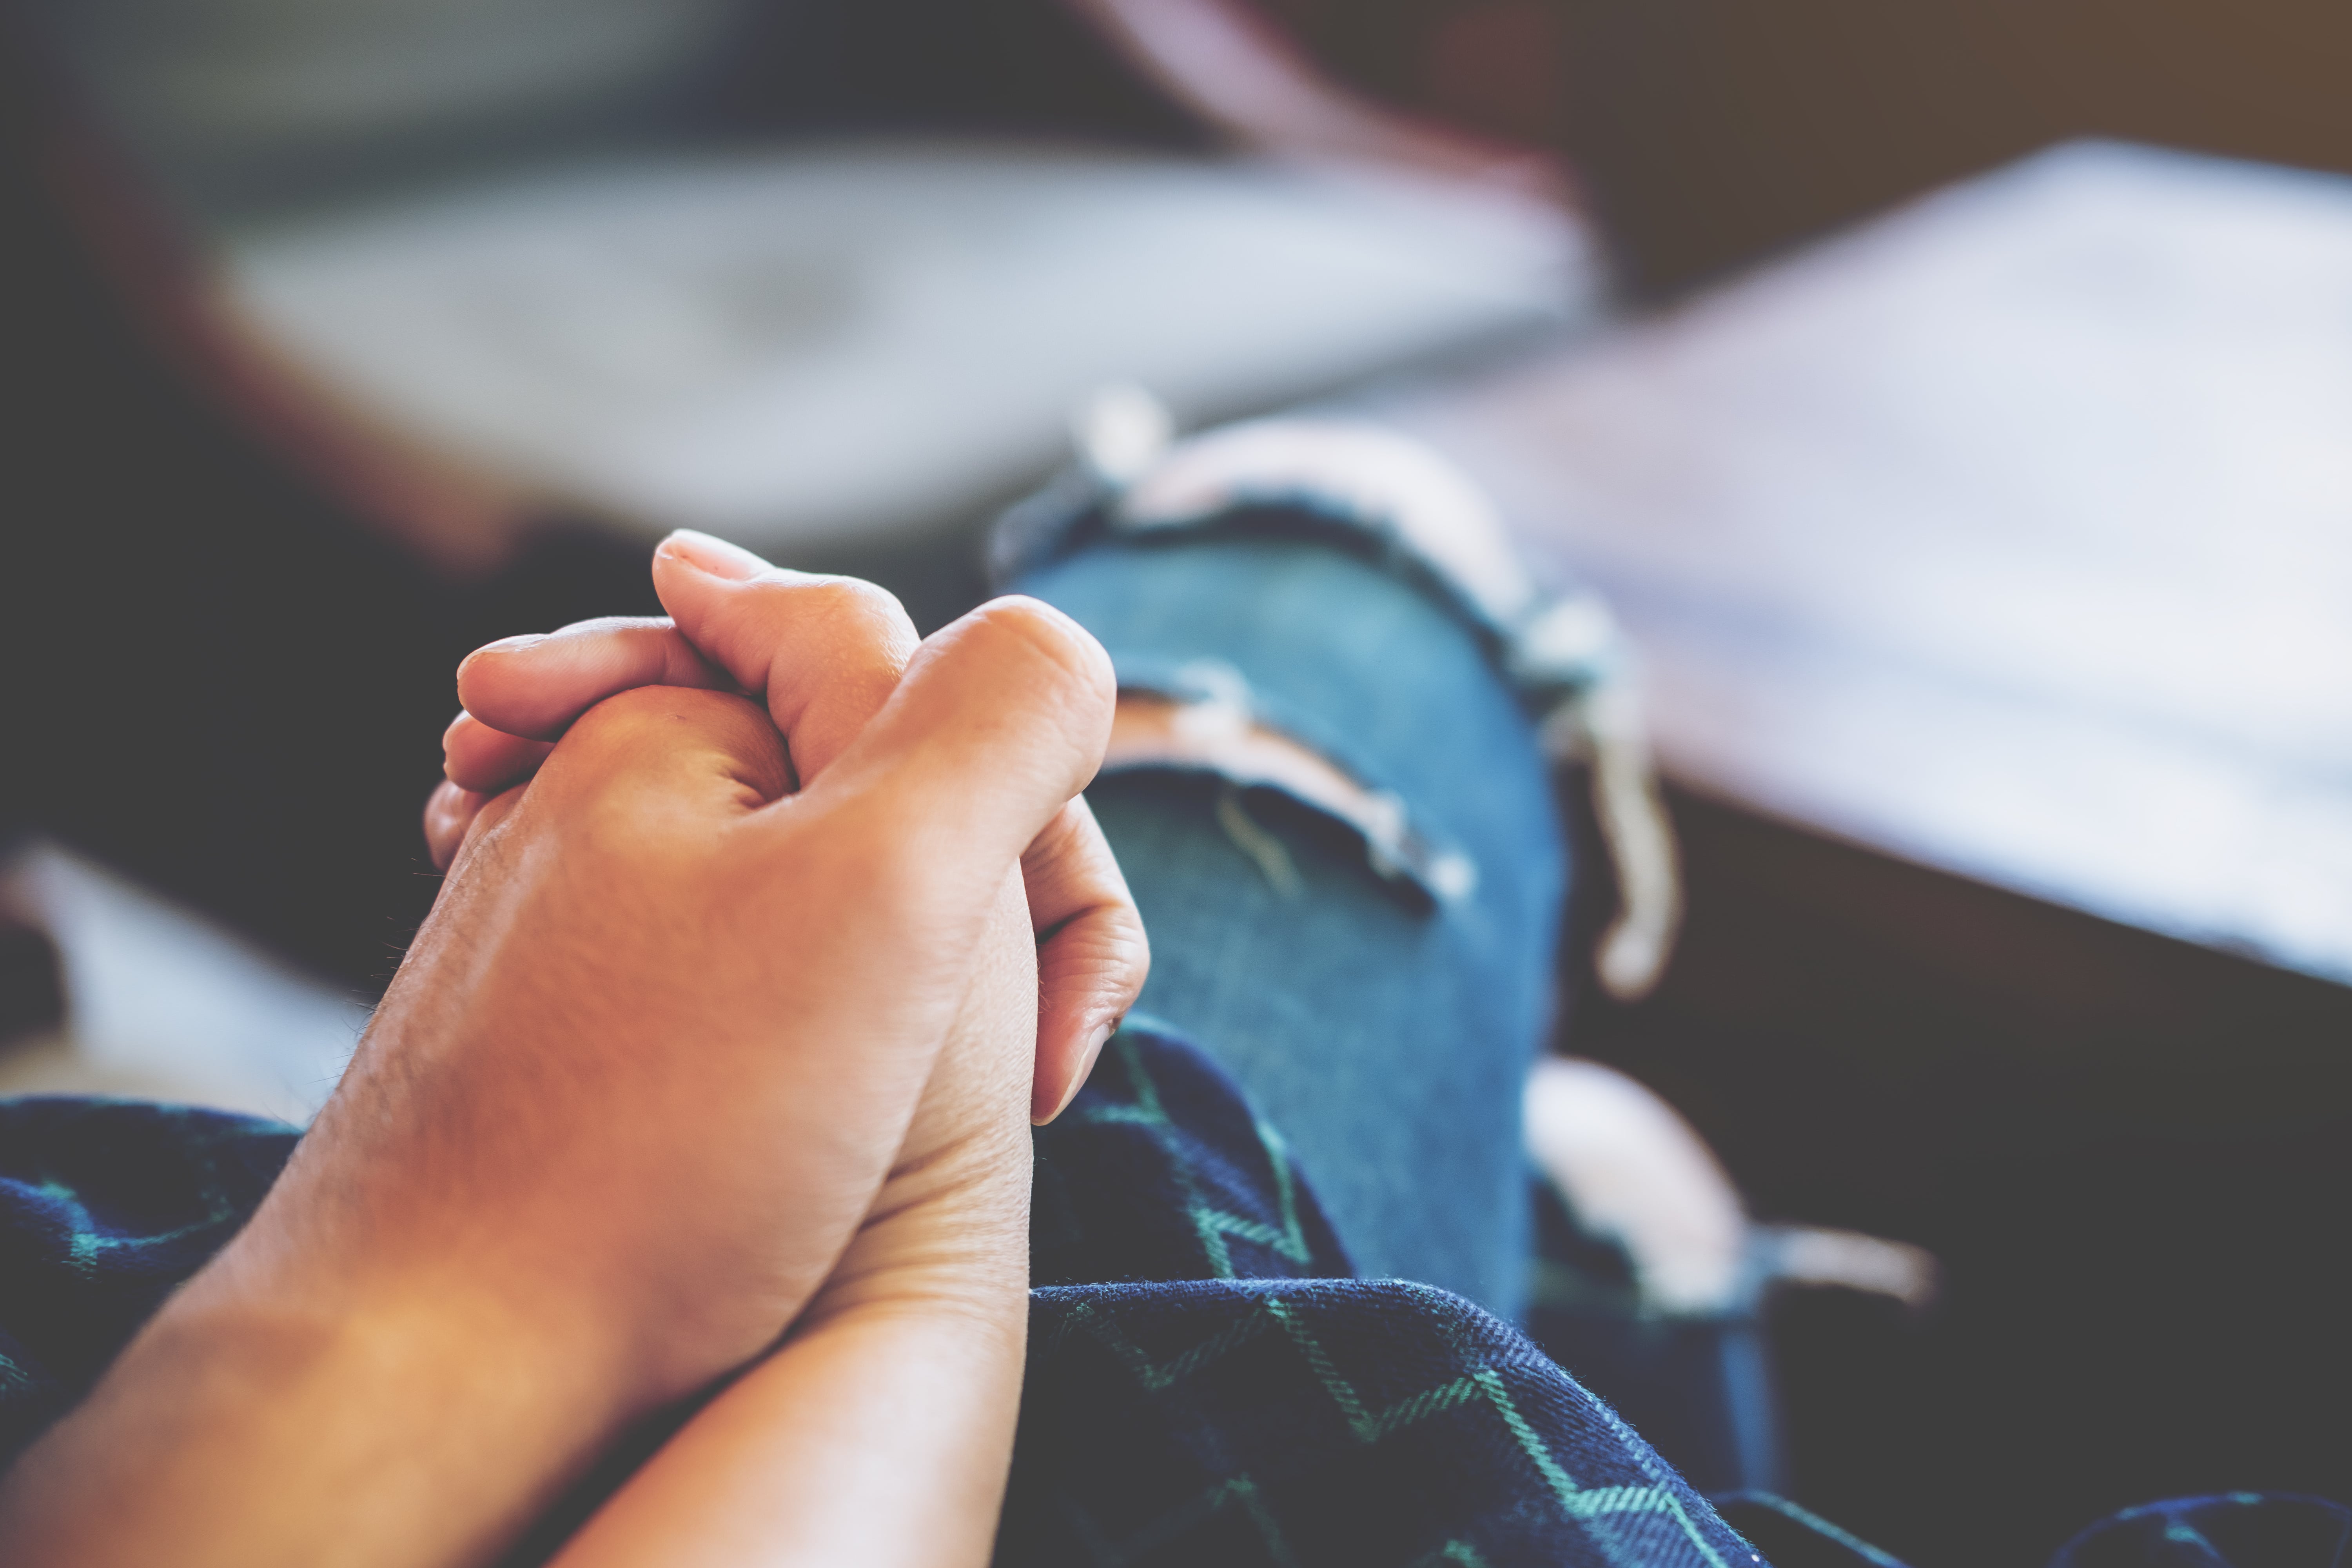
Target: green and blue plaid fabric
x: 1205, y: 1383
x: 105, y: 1206
x: 1205, y: 1386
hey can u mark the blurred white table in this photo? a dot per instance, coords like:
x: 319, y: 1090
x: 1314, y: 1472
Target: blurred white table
x: 814, y: 342
x: 2010, y: 535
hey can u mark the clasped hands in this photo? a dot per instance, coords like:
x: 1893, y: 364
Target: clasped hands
x: 767, y: 931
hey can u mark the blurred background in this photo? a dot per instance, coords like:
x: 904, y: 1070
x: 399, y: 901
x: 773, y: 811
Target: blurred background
x: 1954, y: 400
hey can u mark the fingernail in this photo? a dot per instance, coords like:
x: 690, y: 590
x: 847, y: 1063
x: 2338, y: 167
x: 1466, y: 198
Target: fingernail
x: 1085, y: 1068
x: 504, y: 645
x: 708, y: 552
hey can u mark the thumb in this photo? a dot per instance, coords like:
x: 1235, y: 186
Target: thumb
x: 1001, y: 718
x: 823, y: 652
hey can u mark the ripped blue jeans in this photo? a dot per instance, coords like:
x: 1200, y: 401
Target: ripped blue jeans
x: 1378, y: 986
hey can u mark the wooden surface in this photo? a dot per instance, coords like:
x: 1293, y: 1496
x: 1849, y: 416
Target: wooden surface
x: 2011, y: 535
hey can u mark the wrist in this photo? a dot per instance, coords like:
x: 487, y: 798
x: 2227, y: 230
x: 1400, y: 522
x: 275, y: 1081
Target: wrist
x: 257, y: 1425
x: 948, y: 1236
x: 879, y: 1433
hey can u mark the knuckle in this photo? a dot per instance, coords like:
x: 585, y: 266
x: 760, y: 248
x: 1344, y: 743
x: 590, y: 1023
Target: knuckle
x: 854, y: 598
x: 846, y: 608
x: 1066, y: 652
x: 644, y: 722
x: 622, y: 717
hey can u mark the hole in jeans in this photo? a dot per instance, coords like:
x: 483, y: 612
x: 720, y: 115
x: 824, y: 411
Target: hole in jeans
x: 1212, y: 730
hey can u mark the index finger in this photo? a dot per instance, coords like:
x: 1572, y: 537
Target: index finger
x: 520, y: 693
x: 535, y: 686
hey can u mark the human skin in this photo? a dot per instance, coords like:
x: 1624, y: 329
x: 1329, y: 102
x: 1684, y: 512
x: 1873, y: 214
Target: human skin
x: 646, y: 1084
x: 881, y: 1431
x: 824, y: 652
x: 752, y: 1477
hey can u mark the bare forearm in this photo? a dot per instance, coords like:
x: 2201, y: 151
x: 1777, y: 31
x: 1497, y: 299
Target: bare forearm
x: 263, y: 1420
x: 253, y: 1432
x: 881, y: 1431
x: 880, y: 1439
